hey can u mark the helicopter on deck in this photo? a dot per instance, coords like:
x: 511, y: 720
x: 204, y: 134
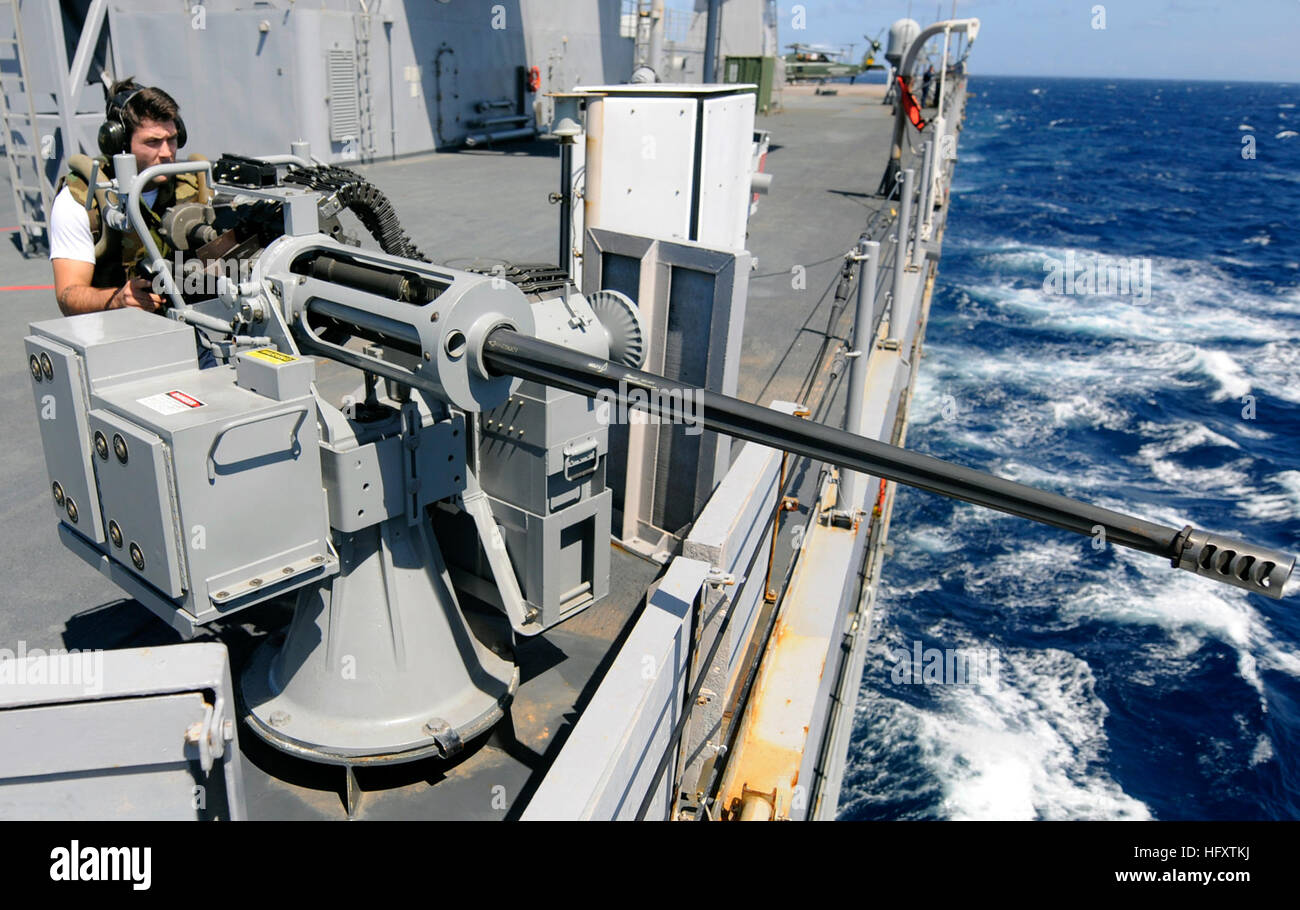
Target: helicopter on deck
x: 819, y: 62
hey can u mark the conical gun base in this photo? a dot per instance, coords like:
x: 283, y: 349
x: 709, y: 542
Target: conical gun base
x: 379, y: 665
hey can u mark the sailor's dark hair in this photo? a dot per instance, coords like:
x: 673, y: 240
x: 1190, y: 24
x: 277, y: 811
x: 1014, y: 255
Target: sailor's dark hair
x: 142, y: 104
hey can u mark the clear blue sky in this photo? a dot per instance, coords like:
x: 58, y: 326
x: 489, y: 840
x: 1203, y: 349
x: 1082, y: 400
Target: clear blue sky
x: 1171, y: 39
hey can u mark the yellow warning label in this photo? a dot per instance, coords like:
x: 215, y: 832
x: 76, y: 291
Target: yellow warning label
x: 271, y: 355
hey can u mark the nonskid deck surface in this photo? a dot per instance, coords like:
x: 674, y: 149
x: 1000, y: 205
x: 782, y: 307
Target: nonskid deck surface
x: 827, y: 155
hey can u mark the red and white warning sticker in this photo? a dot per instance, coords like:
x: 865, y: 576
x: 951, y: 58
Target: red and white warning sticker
x: 172, y: 402
x: 188, y: 400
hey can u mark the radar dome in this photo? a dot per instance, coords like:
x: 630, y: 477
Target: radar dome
x: 901, y: 35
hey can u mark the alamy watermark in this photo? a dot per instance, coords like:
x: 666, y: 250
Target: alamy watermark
x: 75, y: 863
x: 1090, y: 275
x: 52, y: 667
x: 199, y: 280
x: 943, y: 666
x: 633, y: 405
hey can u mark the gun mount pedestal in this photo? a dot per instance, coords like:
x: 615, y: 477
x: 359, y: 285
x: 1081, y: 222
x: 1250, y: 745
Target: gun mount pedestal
x: 378, y: 665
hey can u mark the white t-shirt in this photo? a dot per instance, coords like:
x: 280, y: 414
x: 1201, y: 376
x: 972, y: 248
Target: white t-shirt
x: 70, y: 236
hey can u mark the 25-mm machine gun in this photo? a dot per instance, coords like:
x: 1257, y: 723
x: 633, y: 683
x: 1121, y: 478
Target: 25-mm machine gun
x: 472, y: 460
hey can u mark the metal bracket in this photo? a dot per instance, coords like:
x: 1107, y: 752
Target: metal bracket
x: 447, y: 740
x: 523, y: 617
x: 580, y: 459
x: 576, y: 319
x: 330, y: 205
x: 94, y: 186
x: 412, y: 423
x: 210, y: 735
x: 747, y: 794
x: 719, y: 578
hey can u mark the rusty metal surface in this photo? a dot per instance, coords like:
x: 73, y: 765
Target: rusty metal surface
x: 775, y: 728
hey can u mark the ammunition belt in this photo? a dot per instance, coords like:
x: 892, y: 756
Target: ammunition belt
x: 363, y: 199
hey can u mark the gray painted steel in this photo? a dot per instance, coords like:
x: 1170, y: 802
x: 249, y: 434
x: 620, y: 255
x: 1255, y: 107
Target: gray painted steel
x: 692, y: 299
x: 542, y: 459
x: 430, y: 65
x: 379, y: 665
x: 134, y: 734
x: 733, y: 525
x: 211, y: 444
x: 902, y: 299
x: 605, y: 768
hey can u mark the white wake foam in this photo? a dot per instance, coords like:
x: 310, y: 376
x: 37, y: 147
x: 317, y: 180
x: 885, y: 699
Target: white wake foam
x: 1027, y: 744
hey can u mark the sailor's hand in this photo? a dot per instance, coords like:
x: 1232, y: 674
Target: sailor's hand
x: 137, y: 292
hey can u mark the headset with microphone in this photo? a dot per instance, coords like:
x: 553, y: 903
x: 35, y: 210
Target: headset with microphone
x: 113, y: 135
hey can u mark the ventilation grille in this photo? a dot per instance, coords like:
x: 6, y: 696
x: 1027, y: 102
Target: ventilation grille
x: 345, y: 108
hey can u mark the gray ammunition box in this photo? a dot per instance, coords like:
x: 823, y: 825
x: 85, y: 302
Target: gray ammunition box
x: 543, y: 449
x: 196, y: 495
x: 542, y: 464
x: 562, y: 560
x: 247, y: 505
x: 79, y: 351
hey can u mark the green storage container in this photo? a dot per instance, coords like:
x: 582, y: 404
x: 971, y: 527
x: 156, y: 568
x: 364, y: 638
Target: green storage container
x: 761, y: 71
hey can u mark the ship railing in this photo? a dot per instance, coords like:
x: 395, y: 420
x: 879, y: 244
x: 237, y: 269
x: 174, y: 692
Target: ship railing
x: 656, y: 721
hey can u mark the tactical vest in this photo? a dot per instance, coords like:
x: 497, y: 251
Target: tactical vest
x: 116, y: 252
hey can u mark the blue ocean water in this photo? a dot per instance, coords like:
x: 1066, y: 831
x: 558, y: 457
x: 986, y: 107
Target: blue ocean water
x: 1117, y: 687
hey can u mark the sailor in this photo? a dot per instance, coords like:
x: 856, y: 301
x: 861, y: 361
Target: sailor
x: 94, y: 266
x: 926, y: 82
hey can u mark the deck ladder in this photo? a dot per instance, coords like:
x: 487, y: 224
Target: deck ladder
x: 23, y: 144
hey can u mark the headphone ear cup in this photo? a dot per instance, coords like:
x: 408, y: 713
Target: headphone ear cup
x: 111, y: 136
x: 181, y: 135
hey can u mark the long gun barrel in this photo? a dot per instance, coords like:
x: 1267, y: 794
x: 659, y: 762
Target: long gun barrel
x: 1257, y: 569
